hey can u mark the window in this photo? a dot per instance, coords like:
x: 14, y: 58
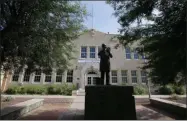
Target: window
x: 92, y: 52
x: 15, y: 76
x: 114, y: 76
x: 37, y: 76
x: 134, y: 76
x: 59, y: 75
x: 143, y: 76
x: 128, y: 53
x: 70, y: 76
x: 26, y: 75
x: 48, y: 76
x: 89, y: 81
x: 83, y: 52
x: 124, y: 76
x: 136, y: 56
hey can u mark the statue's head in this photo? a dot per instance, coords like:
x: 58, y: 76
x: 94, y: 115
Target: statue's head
x: 103, y: 46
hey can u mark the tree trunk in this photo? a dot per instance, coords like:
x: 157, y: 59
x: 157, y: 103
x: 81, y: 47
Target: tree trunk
x: 6, y: 80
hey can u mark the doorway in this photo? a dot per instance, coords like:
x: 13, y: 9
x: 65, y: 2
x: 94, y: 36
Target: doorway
x: 91, y: 78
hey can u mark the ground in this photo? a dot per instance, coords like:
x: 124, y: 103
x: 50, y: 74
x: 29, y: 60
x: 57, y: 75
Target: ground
x: 13, y: 102
x: 55, y: 106
x: 51, y: 109
x: 46, y: 112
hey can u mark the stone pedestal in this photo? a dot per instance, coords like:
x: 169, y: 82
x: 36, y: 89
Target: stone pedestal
x: 109, y: 103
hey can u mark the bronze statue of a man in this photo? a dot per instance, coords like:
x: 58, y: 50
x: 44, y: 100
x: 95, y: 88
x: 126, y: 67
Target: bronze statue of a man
x: 105, y: 56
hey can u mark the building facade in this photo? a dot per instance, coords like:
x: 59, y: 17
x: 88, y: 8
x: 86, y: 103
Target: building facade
x: 125, y: 64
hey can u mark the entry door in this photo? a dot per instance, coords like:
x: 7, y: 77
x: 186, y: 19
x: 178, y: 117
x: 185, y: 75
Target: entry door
x: 91, y: 80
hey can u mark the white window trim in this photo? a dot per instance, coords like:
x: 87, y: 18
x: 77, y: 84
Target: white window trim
x: 84, y: 52
x: 128, y: 53
x: 46, y: 76
x: 70, y: 76
x: 29, y: 76
x: 92, y: 52
x: 114, y: 76
x: 35, y: 76
x: 62, y: 74
x: 135, y: 52
x: 124, y: 76
x: 134, y: 76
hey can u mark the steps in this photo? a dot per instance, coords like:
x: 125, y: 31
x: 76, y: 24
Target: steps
x: 79, y: 92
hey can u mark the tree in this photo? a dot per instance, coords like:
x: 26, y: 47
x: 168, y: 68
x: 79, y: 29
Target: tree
x: 161, y: 30
x: 39, y: 33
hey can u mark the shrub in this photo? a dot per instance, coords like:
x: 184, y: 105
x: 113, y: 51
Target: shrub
x: 22, y: 90
x: 172, y: 89
x: 13, y: 89
x: 166, y: 90
x: 180, y: 90
x: 53, y: 89
x: 63, y: 89
x: 174, y: 97
x: 140, y: 90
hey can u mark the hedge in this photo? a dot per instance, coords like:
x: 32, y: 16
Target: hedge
x: 62, y: 89
x: 138, y: 89
x: 172, y: 89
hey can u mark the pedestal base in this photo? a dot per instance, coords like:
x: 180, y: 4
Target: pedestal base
x: 109, y: 103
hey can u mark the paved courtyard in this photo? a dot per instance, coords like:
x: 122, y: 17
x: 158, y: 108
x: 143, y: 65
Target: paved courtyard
x: 144, y: 112
x: 72, y: 107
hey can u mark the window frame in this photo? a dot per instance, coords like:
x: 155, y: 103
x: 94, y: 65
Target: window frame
x: 49, y: 76
x: 134, y: 76
x: 59, y: 75
x: 69, y: 76
x: 92, y: 52
x: 114, y: 77
x: 124, y: 76
x: 128, y: 53
x: 86, y: 53
x: 37, y: 75
x: 26, y: 77
x: 135, y: 54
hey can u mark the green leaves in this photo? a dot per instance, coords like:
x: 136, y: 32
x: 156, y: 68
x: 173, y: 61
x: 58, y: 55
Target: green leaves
x: 163, y: 38
x: 40, y: 32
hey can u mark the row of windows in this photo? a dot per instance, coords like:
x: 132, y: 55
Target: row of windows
x: 84, y: 52
x: 129, y: 54
x: 124, y: 76
x: 48, y: 76
x: 92, y: 53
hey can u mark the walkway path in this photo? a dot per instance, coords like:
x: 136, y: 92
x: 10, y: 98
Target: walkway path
x: 144, y: 112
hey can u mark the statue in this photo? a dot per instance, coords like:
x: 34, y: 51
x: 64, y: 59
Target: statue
x: 105, y: 56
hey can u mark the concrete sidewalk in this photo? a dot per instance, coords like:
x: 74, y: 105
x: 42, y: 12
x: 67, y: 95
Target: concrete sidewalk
x: 39, y: 96
x: 64, y: 96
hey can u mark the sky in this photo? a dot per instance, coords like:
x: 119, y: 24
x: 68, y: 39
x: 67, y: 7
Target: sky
x: 103, y: 18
